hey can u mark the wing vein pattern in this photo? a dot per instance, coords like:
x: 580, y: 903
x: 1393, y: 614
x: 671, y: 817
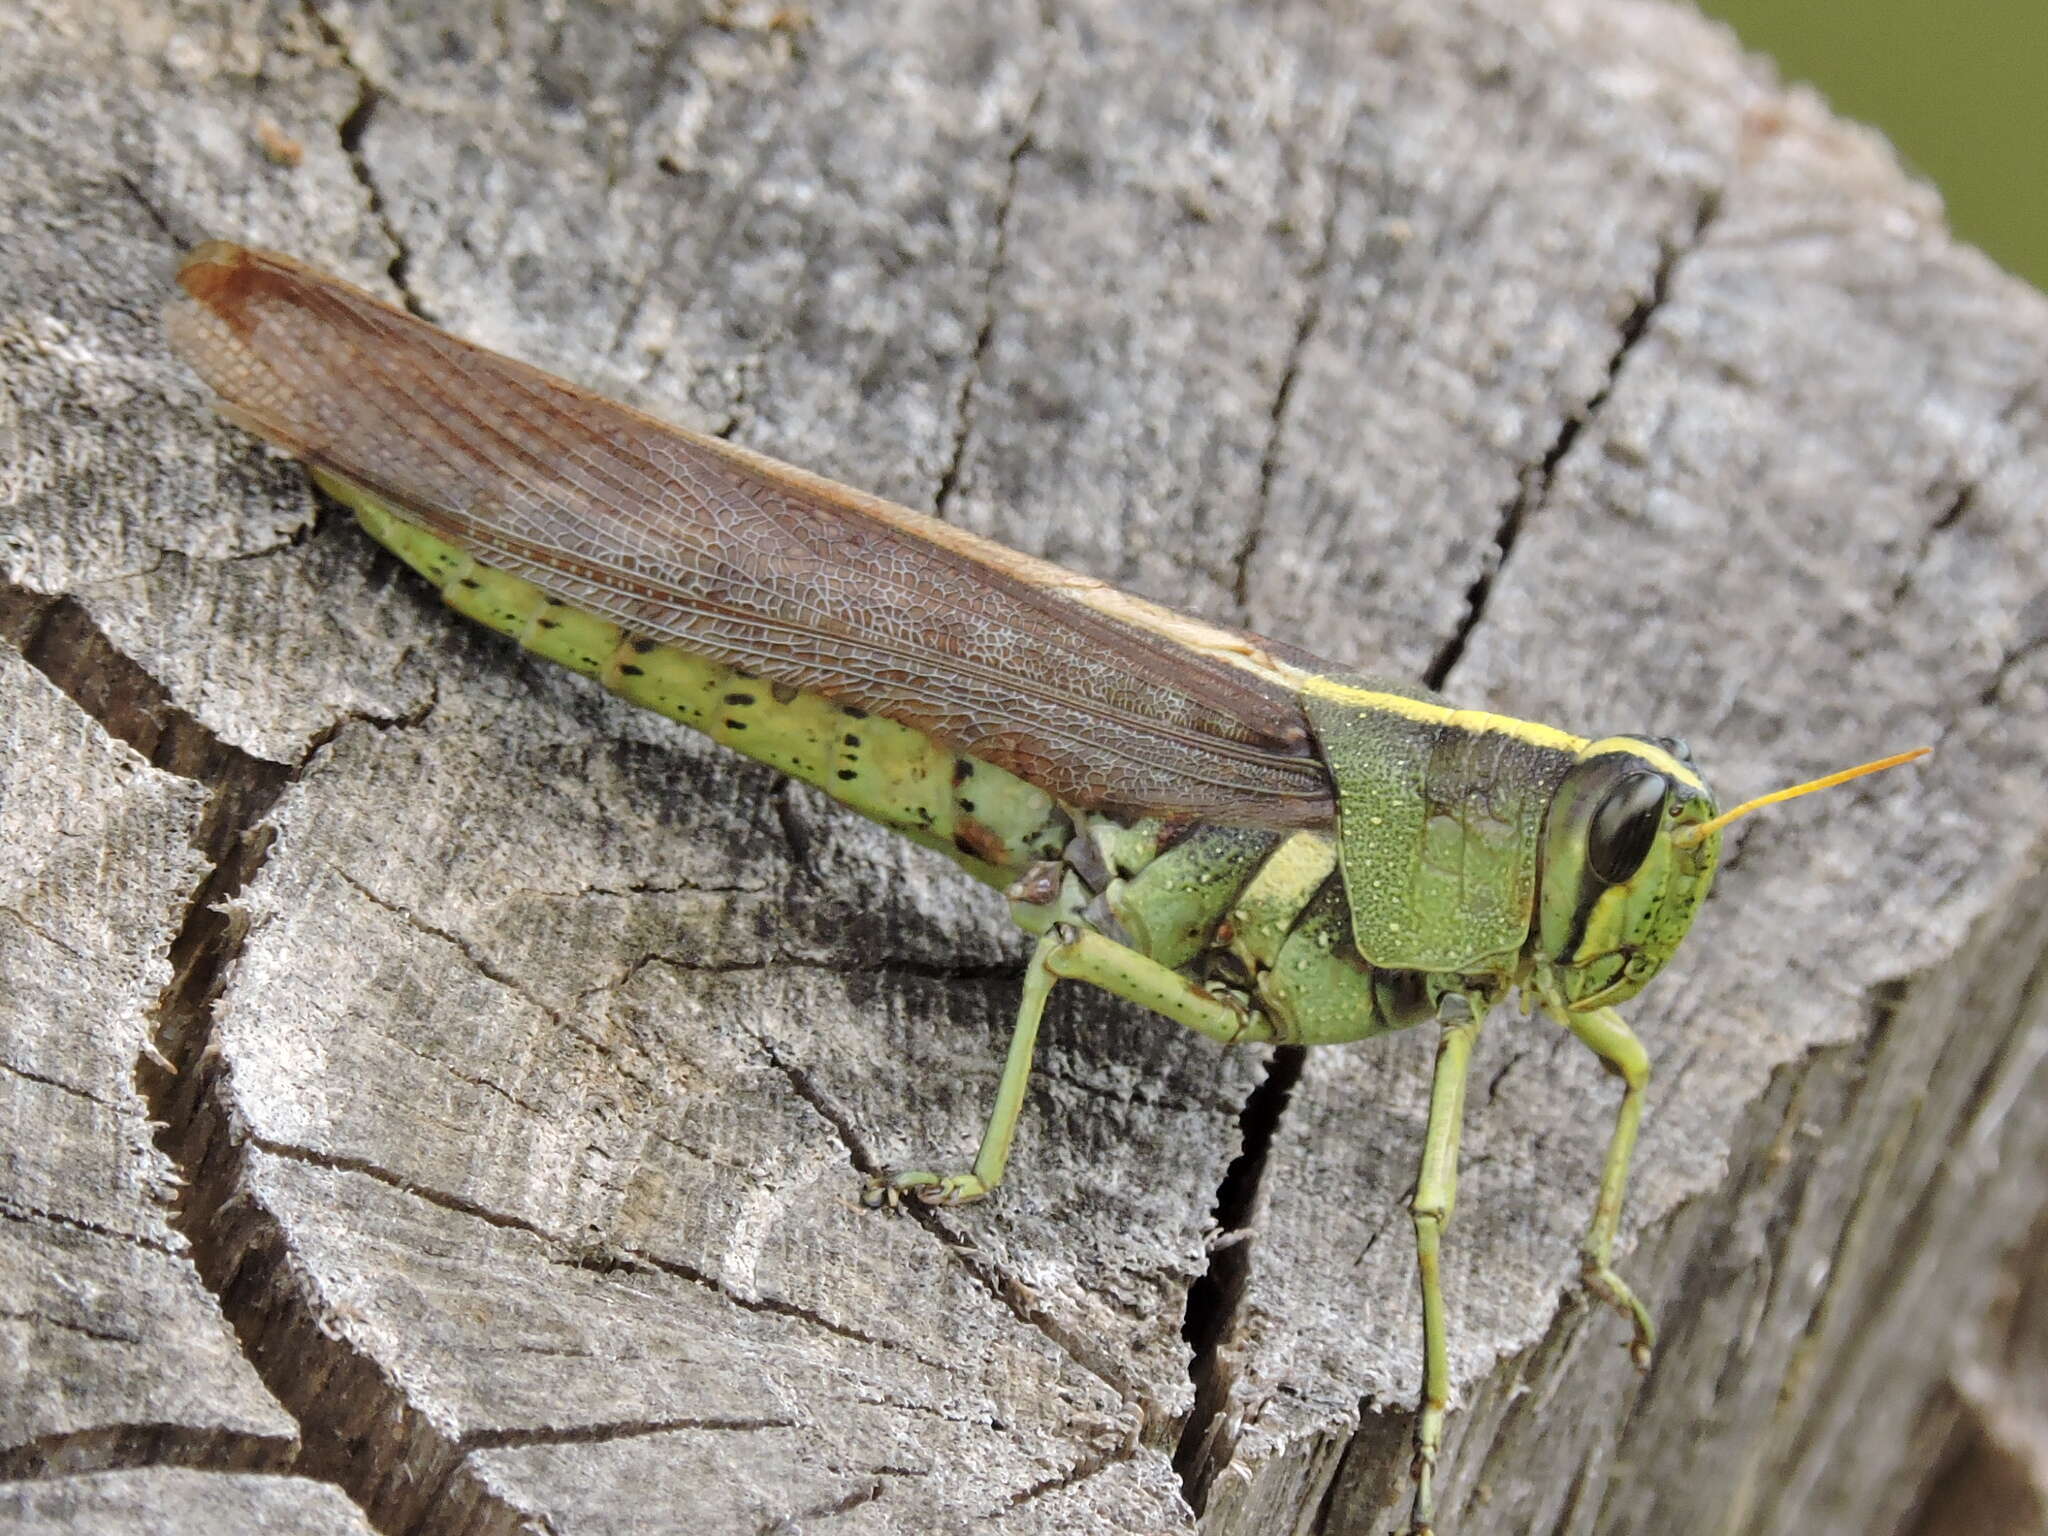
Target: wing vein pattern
x: 680, y: 538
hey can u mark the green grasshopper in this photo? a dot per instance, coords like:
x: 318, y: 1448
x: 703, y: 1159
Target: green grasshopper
x: 1219, y: 828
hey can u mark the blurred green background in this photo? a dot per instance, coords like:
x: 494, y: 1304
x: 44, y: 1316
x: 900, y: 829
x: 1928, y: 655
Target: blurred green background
x: 1960, y: 86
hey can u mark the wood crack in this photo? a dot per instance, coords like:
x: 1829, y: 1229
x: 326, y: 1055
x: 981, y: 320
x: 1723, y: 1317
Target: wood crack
x: 1990, y: 693
x: 1537, y: 479
x: 1307, y: 322
x: 623, y: 1429
x: 131, y: 1447
x: 447, y: 1200
x: 790, y: 821
x: 123, y: 1336
x: 477, y: 962
x: 1215, y: 1302
x: 350, y: 133
x: 1955, y: 504
x: 1080, y: 1472
x: 840, y: 1506
x: 352, y: 1422
x: 920, y: 970
x: 27, y: 1076
x: 173, y: 1074
x: 1010, y: 1292
x: 148, y: 205
x: 771, y: 1305
x: 567, y: 1250
x: 999, y: 259
x: 29, y: 924
x: 11, y: 1210
x: 60, y: 639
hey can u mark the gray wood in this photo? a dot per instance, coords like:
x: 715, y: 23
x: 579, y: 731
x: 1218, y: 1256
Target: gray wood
x: 1994, y: 1467
x: 528, y: 1069
x: 114, y: 1352
x: 169, y: 1501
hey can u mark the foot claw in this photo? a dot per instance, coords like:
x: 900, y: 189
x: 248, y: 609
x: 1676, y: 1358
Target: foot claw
x: 1602, y: 1282
x: 926, y: 1188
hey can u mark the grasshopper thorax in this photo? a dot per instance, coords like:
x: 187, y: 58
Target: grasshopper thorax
x: 1618, y: 888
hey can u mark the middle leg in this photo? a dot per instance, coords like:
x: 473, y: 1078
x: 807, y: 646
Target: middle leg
x: 1436, y: 1193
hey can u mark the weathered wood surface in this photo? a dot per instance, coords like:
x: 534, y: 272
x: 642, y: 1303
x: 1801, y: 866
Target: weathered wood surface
x: 167, y: 1501
x: 114, y: 1350
x: 527, y: 1052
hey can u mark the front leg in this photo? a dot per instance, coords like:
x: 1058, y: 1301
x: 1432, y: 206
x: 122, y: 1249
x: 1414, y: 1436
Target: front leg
x: 1071, y: 953
x: 1622, y: 1054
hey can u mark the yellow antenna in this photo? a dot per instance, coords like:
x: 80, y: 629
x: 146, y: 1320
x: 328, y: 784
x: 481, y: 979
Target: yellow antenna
x: 1692, y: 837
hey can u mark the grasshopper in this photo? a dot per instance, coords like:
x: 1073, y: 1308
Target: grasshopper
x: 1217, y: 827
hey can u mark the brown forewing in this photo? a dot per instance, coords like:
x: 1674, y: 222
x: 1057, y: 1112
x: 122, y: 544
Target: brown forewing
x: 1105, y: 701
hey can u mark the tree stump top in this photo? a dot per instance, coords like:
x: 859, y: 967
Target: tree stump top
x: 517, y: 1057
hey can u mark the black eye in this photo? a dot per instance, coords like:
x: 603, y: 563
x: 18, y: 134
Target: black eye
x: 1625, y: 825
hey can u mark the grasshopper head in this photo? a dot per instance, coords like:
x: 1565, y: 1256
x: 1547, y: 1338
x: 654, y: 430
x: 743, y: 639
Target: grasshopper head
x: 1630, y: 844
x: 1619, y: 887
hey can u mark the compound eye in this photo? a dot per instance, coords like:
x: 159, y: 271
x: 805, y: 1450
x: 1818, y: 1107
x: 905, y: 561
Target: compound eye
x: 1625, y: 825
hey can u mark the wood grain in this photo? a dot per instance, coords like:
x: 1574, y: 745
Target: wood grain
x: 527, y: 1053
